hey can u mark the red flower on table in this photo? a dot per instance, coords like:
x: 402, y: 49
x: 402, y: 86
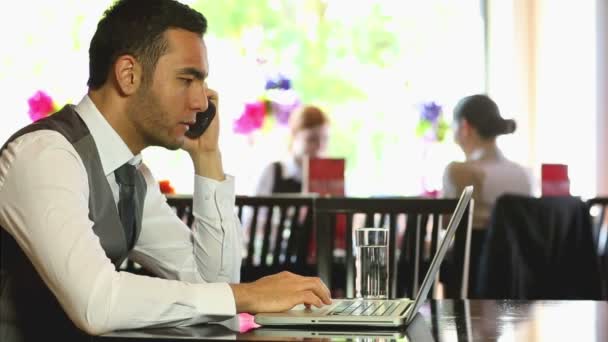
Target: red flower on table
x: 165, y: 187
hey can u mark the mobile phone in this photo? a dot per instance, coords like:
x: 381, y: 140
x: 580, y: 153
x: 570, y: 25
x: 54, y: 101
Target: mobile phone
x: 203, y: 120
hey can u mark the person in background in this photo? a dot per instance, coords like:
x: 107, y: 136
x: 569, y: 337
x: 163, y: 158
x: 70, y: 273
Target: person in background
x: 309, y: 133
x: 76, y: 199
x: 478, y: 123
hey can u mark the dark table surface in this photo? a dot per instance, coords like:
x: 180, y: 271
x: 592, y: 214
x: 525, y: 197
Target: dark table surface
x: 438, y: 320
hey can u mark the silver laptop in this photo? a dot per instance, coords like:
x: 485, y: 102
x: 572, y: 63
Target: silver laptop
x: 378, y: 313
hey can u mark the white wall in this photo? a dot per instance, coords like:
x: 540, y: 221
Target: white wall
x: 602, y: 97
x: 543, y: 74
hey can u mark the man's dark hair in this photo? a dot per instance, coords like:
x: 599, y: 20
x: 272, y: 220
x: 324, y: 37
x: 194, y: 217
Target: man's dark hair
x: 136, y: 27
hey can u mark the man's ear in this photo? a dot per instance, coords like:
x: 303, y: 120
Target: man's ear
x: 128, y: 74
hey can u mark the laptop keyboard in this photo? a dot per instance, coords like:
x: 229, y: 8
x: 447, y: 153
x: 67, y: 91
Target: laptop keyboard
x: 364, y: 308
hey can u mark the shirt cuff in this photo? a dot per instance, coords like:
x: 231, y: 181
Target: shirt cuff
x: 213, y: 199
x: 215, y: 300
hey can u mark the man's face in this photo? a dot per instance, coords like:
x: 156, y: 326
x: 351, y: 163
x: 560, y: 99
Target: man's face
x: 163, y: 108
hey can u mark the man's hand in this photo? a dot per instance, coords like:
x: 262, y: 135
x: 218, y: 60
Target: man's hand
x: 204, y: 151
x: 208, y: 142
x: 280, y: 292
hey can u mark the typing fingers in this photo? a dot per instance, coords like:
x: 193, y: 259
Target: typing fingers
x: 315, y: 285
x: 310, y: 298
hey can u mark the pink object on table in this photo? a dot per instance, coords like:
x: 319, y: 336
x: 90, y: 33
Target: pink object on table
x: 246, y: 322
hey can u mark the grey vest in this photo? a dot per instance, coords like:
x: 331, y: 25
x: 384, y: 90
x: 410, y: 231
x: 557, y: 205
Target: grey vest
x: 28, y: 309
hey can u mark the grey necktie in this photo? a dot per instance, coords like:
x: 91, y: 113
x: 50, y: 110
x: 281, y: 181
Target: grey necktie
x: 125, y: 177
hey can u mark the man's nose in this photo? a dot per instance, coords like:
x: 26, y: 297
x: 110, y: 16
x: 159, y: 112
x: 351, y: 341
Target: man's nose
x: 199, y: 100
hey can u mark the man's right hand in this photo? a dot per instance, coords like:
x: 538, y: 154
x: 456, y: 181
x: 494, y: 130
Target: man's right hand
x: 280, y: 292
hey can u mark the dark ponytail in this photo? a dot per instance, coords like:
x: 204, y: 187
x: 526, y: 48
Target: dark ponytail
x: 509, y: 126
x: 481, y: 112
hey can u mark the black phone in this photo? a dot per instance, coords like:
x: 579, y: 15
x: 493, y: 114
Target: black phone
x: 203, y: 120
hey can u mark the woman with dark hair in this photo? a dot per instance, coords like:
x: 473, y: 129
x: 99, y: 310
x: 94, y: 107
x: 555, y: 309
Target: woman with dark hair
x: 309, y: 132
x: 478, y: 123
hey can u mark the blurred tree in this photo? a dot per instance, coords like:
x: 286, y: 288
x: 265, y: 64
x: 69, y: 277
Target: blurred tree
x: 300, y: 31
x: 301, y: 35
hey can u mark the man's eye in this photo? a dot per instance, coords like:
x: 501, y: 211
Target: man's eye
x: 187, y: 81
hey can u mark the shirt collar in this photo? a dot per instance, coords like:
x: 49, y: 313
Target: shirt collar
x: 113, y: 151
x: 292, y: 170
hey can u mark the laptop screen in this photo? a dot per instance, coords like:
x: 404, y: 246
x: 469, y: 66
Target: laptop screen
x: 465, y: 198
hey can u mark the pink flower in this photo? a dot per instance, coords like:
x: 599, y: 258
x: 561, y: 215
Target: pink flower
x: 41, y: 105
x: 251, y: 119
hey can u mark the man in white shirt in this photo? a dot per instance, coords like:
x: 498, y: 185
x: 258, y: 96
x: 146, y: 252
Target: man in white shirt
x: 62, y: 240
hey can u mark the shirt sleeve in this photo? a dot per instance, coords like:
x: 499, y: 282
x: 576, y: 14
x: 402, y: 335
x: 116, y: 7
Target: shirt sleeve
x: 209, y: 252
x: 44, y: 205
x: 265, y: 181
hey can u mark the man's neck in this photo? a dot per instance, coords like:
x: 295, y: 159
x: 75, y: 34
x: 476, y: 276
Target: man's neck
x: 113, y: 108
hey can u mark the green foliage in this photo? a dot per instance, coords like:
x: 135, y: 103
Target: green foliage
x: 442, y: 130
x: 344, y: 142
x: 422, y: 127
x: 300, y: 30
x: 300, y: 34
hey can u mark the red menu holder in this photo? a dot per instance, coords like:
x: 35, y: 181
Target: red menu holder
x: 555, y: 180
x: 323, y: 176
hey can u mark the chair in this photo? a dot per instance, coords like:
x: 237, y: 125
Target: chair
x: 182, y: 205
x: 278, y: 234
x: 409, y: 221
x: 598, y: 208
x: 539, y: 248
x: 277, y: 231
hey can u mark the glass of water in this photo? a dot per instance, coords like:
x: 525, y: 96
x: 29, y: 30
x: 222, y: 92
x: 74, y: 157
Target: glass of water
x: 371, y: 263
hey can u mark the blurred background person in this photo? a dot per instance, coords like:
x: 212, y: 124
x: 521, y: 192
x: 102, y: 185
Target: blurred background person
x: 477, y: 124
x: 308, y: 137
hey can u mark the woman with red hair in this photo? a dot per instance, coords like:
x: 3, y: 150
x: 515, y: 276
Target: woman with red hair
x: 309, y: 133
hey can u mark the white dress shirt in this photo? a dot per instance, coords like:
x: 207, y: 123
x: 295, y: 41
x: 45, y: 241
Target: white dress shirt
x: 289, y: 169
x: 44, y: 196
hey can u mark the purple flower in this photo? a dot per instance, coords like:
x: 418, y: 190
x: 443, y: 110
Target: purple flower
x: 271, y: 84
x: 41, y: 105
x: 279, y: 82
x: 280, y: 100
x: 283, y: 111
x: 284, y: 83
x: 430, y: 111
x: 251, y: 119
x: 282, y: 104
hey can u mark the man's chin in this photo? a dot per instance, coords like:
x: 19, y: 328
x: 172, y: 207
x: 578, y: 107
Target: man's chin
x: 175, y: 144
x: 178, y: 145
